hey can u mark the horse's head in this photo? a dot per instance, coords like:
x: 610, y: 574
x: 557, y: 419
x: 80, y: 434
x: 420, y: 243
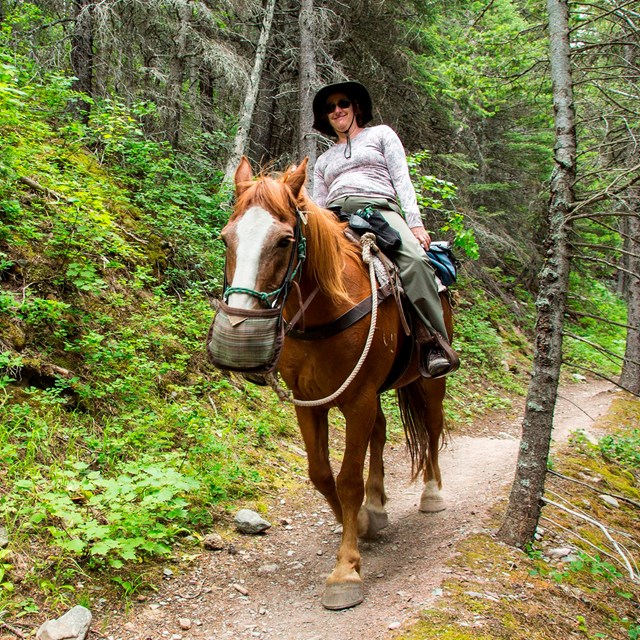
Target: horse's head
x: 261, y: 235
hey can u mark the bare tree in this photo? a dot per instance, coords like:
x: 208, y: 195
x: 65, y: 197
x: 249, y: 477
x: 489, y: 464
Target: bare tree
x: 242, y: 135
x: 630, y: 378
x: 177, y: 67
x: 82, y: 59
x: 525, y: 503
x: 308, y: 82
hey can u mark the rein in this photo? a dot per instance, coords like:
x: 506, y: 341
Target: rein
x: 368, y: 241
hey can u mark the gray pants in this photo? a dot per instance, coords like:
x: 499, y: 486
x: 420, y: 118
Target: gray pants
x: 416, y: 273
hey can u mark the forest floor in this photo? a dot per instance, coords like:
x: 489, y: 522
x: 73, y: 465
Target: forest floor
x: 269, y: 586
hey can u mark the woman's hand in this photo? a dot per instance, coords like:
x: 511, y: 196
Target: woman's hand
x: 422, y: 236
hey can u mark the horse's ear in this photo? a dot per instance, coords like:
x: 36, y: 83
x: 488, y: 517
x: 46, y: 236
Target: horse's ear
x: 243, y: 176
x: 296, y: 178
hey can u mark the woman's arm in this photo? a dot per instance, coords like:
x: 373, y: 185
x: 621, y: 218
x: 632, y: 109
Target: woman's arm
x: 396, y: 160
x: 320, y: 190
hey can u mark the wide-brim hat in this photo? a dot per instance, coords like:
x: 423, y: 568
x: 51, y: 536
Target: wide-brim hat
x: 353, y: 90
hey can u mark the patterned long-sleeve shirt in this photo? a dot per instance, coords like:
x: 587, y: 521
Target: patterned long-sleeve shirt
x: 377, y: 168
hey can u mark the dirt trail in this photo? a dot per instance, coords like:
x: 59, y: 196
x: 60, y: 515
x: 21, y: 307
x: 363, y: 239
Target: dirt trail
x: 270, y: 587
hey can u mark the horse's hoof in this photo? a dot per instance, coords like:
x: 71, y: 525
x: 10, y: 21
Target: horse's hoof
x: 342, y: 595
x: 370, y: 523
x: 432, y: 504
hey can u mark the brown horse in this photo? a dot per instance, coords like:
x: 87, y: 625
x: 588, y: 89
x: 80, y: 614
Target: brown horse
x: 261, y: 246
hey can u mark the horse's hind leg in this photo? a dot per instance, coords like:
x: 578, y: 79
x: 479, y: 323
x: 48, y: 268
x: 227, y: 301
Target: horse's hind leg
x: 372, y: 516
x: 431, y: 500
x: 314, y: 426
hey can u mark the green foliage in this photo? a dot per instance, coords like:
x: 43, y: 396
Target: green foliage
x: 5, y: 566
x: 436, y: 196
x: 592, y: 564
x: 104, y: 265
x: 597, y: 342
x: 138, y: 511
x: 488, y: 348
x: 623, y: 448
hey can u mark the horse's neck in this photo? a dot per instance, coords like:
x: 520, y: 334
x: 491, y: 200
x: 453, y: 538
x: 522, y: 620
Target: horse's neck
x: 320, y: 307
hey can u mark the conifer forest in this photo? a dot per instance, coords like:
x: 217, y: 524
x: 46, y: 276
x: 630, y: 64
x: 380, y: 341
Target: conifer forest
x: 122, y: 449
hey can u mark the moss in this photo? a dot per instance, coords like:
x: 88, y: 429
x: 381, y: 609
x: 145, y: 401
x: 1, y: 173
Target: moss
x: 427, y: 631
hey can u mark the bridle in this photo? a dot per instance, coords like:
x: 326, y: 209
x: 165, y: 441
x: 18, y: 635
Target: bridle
x: 298, y: 255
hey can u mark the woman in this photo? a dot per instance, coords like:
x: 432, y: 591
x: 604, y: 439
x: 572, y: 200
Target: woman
x: 368, y: 166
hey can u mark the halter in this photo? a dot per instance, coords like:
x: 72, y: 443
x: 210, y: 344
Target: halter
x: 293, y: 271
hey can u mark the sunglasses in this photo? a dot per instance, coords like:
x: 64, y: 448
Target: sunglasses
x: 343, y: 103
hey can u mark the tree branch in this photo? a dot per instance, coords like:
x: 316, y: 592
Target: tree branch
x: 606, y: 194
x: 606, y: 320
x: 567, y: 363
x: 595, y: 346
x: 605, y: 246
x: 609, y: 264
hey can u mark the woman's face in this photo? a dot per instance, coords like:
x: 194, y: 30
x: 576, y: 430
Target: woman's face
x: 340, y: 112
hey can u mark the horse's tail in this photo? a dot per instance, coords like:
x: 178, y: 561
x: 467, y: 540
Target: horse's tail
x: 422, y: 417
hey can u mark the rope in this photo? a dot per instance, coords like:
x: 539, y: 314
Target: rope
x: 368, y: 242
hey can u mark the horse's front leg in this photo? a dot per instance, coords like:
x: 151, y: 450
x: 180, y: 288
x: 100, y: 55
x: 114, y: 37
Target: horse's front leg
x: 344, y: 585
x: 373, y: 516
x: 314, y: 426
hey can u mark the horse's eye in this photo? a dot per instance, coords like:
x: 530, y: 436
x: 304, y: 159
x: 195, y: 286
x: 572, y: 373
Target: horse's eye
x: 285, y: 242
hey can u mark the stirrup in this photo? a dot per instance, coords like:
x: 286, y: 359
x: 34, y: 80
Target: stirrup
x: 437, y: 343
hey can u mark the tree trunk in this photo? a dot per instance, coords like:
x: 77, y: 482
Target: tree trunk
x: 308, y: 82
x: 244, y: 123
x: 261, y: 149
x: 630, y: 378
x: 630, y: 375
x: 82, y: 52
x: 173, y: 115
x: 525, y: 502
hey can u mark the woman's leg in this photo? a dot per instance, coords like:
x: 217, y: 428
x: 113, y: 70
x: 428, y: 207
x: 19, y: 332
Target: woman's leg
x: 417, y: 275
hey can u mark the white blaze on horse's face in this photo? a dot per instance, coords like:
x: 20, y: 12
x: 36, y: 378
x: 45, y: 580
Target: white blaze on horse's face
x: 251, y: 231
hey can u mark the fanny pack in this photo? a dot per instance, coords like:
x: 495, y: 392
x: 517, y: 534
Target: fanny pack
x: 444, y: 262
x: 246, y: 340
x: 371, y: 220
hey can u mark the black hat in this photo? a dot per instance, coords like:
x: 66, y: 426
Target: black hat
x: 353, y: 90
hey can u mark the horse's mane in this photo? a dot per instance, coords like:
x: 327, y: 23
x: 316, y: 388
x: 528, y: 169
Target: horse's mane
x: 328, y: 250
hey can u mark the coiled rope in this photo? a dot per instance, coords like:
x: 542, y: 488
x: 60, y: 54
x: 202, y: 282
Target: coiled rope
x: 368, y: 242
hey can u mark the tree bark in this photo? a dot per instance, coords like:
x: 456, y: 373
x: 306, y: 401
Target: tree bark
x: 308, y: 82
x: 630, y: 377
x: 244, y: 123
x: 523, y: 511
x: 82, y: 52
x: 173, y: 115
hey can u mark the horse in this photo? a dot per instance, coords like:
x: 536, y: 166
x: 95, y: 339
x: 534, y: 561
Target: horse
x: 271, y: 216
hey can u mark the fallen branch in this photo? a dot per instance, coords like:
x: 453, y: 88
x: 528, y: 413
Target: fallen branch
x: 579, y: 537
x: 596, y: 489
x: 604, y: 530
x: 13, y: 630
x: 36, y: 186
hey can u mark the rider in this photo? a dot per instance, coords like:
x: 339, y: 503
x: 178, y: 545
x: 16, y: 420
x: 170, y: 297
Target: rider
x: 368, y: 166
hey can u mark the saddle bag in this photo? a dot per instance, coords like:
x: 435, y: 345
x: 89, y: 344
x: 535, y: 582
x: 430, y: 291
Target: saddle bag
x: 371, y: 220
x: 444, y: 262
x: 246, y: 340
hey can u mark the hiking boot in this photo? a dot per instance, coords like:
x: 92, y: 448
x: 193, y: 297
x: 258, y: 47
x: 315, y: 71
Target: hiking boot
x: 437, y: 363
x: 437, y: 358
